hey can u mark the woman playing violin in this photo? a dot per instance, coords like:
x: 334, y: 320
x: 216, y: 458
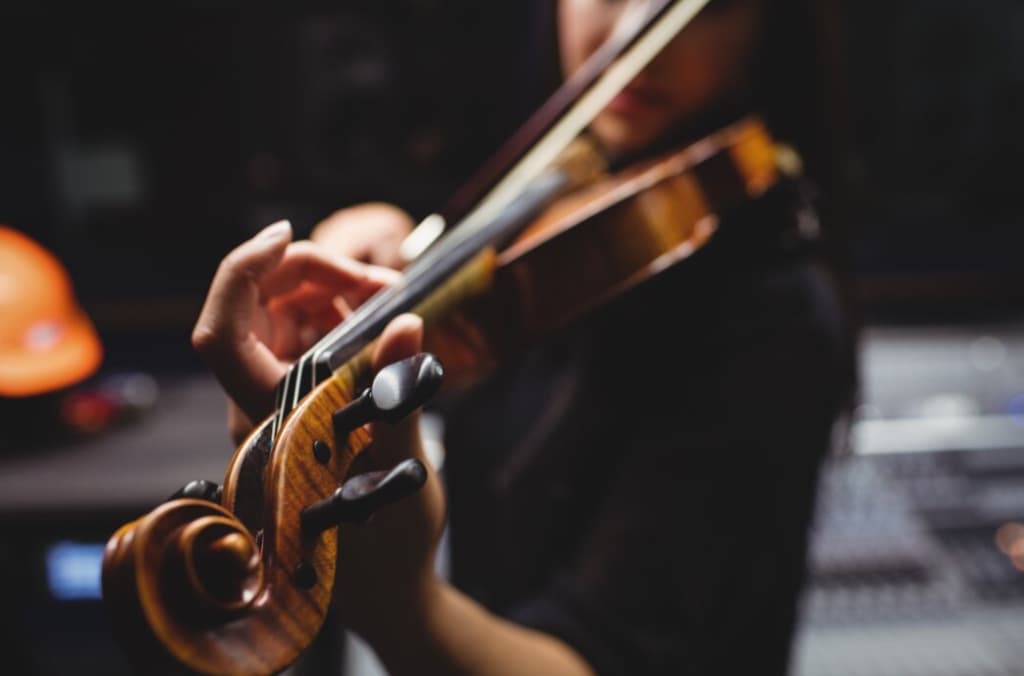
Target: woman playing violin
x: 596, y: 525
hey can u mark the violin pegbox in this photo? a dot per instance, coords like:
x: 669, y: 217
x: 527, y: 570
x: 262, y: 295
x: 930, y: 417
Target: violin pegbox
x: 396, y: 391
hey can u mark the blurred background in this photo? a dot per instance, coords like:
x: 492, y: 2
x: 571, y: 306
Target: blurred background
x: 141, y: 147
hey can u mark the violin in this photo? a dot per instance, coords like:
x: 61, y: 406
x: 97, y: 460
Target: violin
x: 238, y: 578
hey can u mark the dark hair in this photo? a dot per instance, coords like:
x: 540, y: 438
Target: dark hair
x: 800, y: 90
x: 798, y: 87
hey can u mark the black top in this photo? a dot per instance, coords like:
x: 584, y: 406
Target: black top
x: 641, y: 486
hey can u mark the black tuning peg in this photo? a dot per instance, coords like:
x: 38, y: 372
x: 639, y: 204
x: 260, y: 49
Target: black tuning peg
x: 396, y: 390
x: 200, y: 489
x: 362, y: 495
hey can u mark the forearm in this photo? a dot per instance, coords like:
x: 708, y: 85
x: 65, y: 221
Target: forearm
x: 446, y: 632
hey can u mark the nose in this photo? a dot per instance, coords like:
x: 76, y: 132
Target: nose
x: 609, y: 16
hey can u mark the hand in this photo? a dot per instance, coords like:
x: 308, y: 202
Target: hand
x: 269, y: 301
x: 386, y: 565
x: 371, y: 233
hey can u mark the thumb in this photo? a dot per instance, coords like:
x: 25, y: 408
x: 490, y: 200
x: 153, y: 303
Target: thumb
x: 223, y: 334
x: 402, y: 338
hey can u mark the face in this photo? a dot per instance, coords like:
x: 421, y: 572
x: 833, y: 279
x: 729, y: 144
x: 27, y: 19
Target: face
x: 705, y: 63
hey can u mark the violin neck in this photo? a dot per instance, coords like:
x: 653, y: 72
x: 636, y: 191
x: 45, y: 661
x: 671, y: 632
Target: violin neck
x: 435, y: 283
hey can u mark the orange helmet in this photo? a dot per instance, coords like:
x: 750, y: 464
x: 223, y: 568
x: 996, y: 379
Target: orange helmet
x: 46, y: 341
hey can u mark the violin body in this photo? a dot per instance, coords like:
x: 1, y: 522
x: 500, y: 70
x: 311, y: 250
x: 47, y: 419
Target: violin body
x: 598, y: 242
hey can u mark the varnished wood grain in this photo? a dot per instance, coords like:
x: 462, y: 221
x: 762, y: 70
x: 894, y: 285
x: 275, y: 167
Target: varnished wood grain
x: 601, y: 241
x: 170, y: 626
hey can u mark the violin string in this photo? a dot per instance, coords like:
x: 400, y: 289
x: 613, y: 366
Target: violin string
x: 415, y: 288
x: 541, y: 157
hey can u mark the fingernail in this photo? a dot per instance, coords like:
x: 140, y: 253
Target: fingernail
x: 412, y: 319
x: 276, y: 231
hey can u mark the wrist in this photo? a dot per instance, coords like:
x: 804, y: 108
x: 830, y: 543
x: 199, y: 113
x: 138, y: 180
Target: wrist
x: 402, y: 614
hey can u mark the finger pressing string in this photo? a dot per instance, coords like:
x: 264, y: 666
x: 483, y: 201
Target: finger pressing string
x: 309, y: 263
x: 299, y: 320
x: 311, y: 305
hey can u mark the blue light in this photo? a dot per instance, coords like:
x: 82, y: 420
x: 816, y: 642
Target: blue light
x: 73, y: 571
x: 1015, y: 409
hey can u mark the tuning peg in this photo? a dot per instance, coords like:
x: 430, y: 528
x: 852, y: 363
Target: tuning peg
x: 362, y: 495
x: 396, y: 390
x: 200, y: 489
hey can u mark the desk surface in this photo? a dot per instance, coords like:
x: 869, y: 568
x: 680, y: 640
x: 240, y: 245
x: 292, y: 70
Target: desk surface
x: 130, y: 467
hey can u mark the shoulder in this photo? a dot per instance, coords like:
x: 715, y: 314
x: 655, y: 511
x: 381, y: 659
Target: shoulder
x: 755, y: 304
x: 761, y: 274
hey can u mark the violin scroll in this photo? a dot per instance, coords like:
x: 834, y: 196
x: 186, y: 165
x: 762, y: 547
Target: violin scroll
x: 188, y: 565
x: 195, y: 586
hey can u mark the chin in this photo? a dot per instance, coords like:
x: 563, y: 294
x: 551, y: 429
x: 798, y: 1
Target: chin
x: 625, y: 136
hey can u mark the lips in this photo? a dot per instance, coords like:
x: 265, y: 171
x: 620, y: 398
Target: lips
x: 639, y: 99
